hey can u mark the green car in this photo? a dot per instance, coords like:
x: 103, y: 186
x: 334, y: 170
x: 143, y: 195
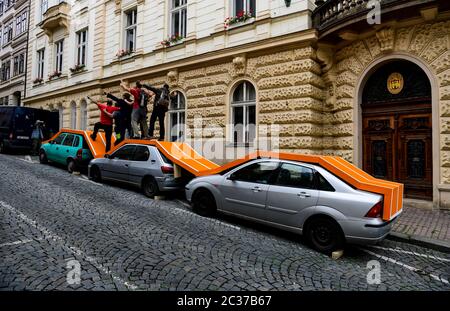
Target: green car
x: 68, y: 149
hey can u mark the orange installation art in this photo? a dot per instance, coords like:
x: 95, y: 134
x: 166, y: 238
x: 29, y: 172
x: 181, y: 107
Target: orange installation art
x: 187, y: 158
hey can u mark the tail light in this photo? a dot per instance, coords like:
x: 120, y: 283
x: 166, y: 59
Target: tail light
x: 376, y: 211
x: 11, y: 136
x: 167, y: 169
x: 80, y: 154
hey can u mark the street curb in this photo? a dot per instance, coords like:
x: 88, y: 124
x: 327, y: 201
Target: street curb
x: 438, y: 245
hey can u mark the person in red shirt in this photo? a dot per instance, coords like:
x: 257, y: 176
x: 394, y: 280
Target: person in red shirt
x: 139, y: 114
x: 106, y: 121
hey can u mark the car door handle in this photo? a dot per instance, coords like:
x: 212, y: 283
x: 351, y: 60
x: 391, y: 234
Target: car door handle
x: 304, y: 195
x: 126, y: 165
x: 153, y: 161
x: 256, y: 189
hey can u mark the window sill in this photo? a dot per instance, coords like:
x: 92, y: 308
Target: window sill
x: 36, y: 85
x: 56, y: 78
x: 79, y: 72
x: 241, y: 24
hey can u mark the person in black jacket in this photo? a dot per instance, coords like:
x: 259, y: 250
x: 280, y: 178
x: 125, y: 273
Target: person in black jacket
x: 160, y: 107
x: 122, y: 117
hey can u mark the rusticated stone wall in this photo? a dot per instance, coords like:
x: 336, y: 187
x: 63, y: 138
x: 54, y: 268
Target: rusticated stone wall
x: 430, y: 42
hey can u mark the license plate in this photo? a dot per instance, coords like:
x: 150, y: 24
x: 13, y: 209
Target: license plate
x: 23, y: 137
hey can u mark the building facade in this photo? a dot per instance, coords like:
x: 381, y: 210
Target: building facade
x: 334, y: 77
x: 13, y: 50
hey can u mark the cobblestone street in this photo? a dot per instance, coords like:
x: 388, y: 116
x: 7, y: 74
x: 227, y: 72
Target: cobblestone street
x: 125, y: 241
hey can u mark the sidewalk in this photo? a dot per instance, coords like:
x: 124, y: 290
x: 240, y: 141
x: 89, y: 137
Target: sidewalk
x: 423, y: 226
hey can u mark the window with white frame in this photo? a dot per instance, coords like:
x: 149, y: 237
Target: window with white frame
x: 2, y: 6
x: 178, y: 17
x: 6, y: 70
x: 7, y: 33
x: 43, y: 8
x: 241, y: 6
x: 59, y: 49
x: 40, y: 63
x: 19, y: 64
x: 130, y: 30
x: 21, y: 23
x: 82, y: 37
x: 177, y: 111
x: 243, y: 113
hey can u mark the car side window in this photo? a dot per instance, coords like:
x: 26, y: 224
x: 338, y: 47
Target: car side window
x: 323, y: 184
x: 259, y: 173
x: 76, y: 141
x: 58, y: 140
x: 141, y: 154
x: 69, y: 140
x: 124, y: 153
x: 297, y: 176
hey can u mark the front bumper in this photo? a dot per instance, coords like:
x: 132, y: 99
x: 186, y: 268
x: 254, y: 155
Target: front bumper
x: 366, y: 231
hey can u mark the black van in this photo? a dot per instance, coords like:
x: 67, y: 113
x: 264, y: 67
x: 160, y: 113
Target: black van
x: 17, y: 124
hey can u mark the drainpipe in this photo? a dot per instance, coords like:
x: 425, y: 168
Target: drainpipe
x: 26, y: 51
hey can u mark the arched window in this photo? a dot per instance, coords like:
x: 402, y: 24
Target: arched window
x: 83, y: 115
x: 73, y: 115
x: 61, y: 116
x: 177, y: 117
x: 243, y: 113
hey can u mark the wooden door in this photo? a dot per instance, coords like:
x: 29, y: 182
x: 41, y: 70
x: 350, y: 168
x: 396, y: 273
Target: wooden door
x: 398, y: 147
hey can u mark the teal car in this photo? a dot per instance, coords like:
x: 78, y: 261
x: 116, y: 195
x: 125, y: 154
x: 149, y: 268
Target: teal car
x: 67, y: 149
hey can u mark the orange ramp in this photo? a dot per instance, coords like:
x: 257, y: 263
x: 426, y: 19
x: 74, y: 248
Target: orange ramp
x: 186, y: 157
x: 96, y: 147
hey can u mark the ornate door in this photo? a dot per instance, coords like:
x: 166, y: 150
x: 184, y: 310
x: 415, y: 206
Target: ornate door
x: 397, y: 127
x: 398, y: 147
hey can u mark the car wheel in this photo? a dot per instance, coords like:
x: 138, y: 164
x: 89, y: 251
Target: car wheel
x: 204, y: 203
x: 95, y: 174
x: 150, y: 187
x: 71, y: 166
x: 43, y: 157
x: 324, y: 234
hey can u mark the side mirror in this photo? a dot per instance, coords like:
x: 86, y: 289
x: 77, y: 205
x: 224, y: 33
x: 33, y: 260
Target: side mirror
x: 51, y: 142
x: 232, y: 177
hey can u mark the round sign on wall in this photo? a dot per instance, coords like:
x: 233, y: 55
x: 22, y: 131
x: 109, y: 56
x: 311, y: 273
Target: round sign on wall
x: 395, y: 83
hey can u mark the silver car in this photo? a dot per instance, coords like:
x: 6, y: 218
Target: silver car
x: 296, y: 197
x: 139, y: 165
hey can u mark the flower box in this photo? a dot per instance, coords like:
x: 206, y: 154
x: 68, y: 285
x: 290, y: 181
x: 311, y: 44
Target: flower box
x: 38, y: 81
x: 77, y: 68
x: 241, y: 17
x: 54, y: 75
x: 174, y: 39
x: 123, y: 53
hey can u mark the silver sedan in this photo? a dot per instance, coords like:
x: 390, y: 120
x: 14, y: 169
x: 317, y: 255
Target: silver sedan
x: 139, y: 165
x: 293, y: 196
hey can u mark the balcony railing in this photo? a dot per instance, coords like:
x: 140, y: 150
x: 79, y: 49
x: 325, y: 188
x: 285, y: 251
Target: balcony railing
x: 331, y: 13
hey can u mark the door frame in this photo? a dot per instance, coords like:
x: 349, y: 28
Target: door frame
x: 357, y: 112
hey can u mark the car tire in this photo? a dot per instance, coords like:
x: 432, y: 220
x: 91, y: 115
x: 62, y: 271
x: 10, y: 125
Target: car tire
x: 95, y: 174
x: 324, y: 235
x: 71, y: 166
x: 203, y: 203
x: 150, y: 187
x: 43, y: 157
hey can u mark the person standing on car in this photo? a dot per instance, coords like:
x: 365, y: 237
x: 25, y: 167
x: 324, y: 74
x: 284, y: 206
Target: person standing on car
x: 123, y: 116
x: 160, y: 107
x: 106, y: 121
x: 139, y: 114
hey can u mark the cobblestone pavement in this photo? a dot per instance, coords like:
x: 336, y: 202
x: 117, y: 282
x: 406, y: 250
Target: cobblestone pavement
x: 432, y: 224
x: 124, y: 241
